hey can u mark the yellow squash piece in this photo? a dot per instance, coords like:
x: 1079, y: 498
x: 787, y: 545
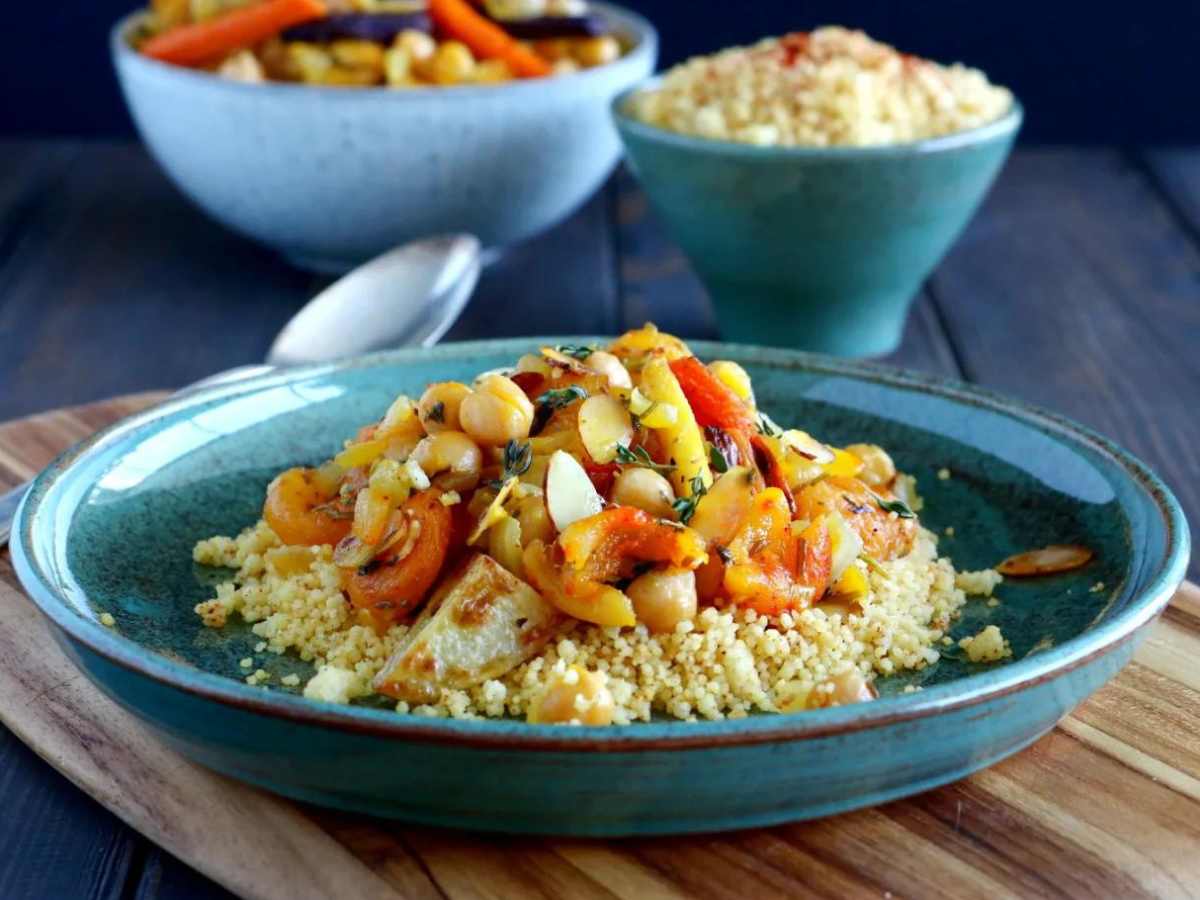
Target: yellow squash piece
x: 852, y: 587
x: 845, y: 464
x: 683, y: 439
x: 643, y: 341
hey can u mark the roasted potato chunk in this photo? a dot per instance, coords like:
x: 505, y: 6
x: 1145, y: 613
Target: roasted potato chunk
x: 480, y: 623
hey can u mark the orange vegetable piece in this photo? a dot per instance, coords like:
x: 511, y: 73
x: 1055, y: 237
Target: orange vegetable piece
x: 815, y: 558
x: 713, y: 402
x: 457, y: 19
x: 588, y: 601
x: 766, y: 560
x: 291, y: 511
x: 201, y: 42
x: 883, y: 536
x: 390, y: 591
x: 773, y: 570
x: 605, y: 547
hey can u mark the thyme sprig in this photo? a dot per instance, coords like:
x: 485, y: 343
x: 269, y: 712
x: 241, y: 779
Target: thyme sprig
x: 518, y: 457
x: 640, y: 456
x: 685, y: 507
x: 557, y: 398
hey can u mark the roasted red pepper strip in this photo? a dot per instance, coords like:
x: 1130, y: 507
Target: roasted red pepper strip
x: 712, y: 402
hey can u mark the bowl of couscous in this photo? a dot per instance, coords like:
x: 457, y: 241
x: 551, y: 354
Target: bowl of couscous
x: 598, y: 586
x: 815, y: 180
x: 343, y: 136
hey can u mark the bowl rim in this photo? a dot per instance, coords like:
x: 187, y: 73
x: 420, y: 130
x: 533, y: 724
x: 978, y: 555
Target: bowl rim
x: 999, y: 129
x: 35, y: 514
x: 644, y: 51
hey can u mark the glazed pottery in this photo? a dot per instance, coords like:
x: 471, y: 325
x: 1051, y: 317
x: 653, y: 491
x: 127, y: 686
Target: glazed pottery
x: 110, y: 526
x: 332, y: 176
x: 816, y: 248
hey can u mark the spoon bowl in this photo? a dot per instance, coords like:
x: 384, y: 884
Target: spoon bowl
x: 409, y: 296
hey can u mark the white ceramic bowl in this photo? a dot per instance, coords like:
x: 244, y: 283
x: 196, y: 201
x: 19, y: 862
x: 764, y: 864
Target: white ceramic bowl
x: 330, y: 177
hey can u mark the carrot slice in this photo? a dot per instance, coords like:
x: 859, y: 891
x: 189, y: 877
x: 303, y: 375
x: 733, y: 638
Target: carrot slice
x: 201, y: 42
x: 486, y: 39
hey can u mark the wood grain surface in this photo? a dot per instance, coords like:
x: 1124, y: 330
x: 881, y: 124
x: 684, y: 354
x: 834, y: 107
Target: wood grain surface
x: 1106, y: 806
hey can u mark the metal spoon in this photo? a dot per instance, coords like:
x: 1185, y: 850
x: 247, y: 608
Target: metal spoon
x: 407, y: 297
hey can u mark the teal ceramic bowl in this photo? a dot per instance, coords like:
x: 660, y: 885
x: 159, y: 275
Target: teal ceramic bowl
x: 815, y: 248
x: 109, y: 528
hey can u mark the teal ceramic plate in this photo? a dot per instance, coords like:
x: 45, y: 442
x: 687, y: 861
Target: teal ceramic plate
x: 109, y: 528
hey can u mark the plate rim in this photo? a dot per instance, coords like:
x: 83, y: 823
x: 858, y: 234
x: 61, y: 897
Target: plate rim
x: 971, y: 690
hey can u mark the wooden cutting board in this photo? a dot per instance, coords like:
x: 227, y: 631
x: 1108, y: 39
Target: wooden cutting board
x: 1107, y: 805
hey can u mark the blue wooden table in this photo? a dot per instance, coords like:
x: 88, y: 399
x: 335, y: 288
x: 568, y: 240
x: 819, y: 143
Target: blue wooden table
x: 1077, y: 288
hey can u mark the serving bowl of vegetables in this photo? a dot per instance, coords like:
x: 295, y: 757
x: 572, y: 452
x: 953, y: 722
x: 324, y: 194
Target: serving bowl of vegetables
x: 334, y: 131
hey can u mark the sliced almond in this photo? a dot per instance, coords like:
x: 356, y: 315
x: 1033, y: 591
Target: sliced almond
x: 1046, y: 561
x: 604, y: 425
x: 569, y: 493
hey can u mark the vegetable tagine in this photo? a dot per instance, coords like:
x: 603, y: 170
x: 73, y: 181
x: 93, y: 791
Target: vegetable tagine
x: 397, y: 43
x: 597, y: 535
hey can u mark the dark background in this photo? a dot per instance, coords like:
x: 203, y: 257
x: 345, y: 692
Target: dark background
x: 1103, y: 72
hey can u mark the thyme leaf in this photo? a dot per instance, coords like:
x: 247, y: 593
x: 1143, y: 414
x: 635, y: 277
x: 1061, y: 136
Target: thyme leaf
x: 334, y: 510
x: 560, y: 397
x: 767, y: 426
x: 640, y: 456
x: 719, y: 463
x: 685, y: 507
x: 578, y: 351
x: 899, y: 507
x: 437, y: 413
x: 518, y: 457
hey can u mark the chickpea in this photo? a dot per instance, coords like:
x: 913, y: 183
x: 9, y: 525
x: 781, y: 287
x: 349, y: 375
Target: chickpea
x: 491, y: 71
x: 878, y: 468
x: 496, y: 412
x: 604, y: 363
x: 356, y: 54
x: 450, y: 459
x: 535, y: 521
x: 438, y: 406
x: 664, y: 598
x: 844, y: 688
x: 553, y: 49
x: 596, y: 51
x: 416, y: 44
x: 453, y: 63
x: 515, y: 9
x: 575, y: 695
x: 645, y: 489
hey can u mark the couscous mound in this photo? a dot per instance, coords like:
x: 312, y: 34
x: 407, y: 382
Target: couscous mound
x: 830, y: 87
